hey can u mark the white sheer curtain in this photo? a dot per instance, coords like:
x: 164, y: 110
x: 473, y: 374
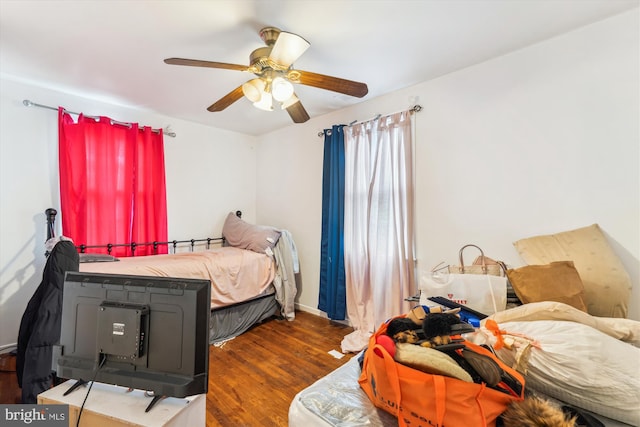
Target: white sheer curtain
x: 378, y: 224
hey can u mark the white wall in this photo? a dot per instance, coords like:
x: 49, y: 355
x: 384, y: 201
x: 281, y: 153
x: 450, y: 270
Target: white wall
x: 541, y: 140
x: 201, y: 162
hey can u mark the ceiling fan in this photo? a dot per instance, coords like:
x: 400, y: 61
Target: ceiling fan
x: 273, y: 66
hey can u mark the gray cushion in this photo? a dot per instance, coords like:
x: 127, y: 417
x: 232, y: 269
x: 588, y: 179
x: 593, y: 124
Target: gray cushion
x: 241, y: 234
x: 97, y: 258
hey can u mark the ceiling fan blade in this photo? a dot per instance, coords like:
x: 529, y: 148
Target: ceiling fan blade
x: 206, y: 64
x: 288, y: 48
x: 227, y: 100
x: 335, y: 84
x: 297, y: 112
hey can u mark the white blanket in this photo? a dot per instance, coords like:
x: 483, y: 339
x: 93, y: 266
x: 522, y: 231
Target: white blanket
x: 575, y: 357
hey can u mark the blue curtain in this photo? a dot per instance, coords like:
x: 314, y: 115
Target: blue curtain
x: 332, y: 299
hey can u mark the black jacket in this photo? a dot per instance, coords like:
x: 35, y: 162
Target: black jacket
x: 40, y: 324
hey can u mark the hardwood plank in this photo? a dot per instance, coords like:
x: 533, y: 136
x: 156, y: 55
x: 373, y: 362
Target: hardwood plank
x: 254, y: 377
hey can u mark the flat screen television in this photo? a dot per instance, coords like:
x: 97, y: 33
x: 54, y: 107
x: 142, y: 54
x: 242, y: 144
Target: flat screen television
x: 142, y: 332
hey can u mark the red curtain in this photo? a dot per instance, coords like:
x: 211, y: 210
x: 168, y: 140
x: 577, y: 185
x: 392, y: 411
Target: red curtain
x: 112, y: 184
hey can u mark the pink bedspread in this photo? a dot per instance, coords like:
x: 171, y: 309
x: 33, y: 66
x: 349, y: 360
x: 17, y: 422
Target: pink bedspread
x: 236, y: 274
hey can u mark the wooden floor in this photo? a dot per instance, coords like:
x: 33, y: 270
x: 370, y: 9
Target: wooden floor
x: 254, y: 377
x: 9, y: 391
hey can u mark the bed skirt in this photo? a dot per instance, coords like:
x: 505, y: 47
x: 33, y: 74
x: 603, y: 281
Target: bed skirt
x: 231, y: 321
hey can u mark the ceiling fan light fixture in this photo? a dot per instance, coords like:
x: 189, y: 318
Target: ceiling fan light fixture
x: 281, y: 89
x: 253, y: 89
x: 265, y: 103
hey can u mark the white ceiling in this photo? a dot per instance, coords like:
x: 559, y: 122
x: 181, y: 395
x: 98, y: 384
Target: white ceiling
x: 113, y: 50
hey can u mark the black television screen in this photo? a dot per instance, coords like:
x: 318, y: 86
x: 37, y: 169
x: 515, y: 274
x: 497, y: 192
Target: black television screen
x: 142, y: 332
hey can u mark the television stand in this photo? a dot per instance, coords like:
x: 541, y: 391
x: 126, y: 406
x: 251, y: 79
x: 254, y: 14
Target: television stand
x: 79, y: 383
x: 112, y: 406
x: 155, y: 400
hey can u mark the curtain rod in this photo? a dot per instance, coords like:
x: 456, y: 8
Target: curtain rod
x: 415, y: 109
x: 28, y: 103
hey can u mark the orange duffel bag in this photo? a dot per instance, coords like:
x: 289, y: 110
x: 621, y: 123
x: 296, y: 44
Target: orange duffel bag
x: 418, y: 398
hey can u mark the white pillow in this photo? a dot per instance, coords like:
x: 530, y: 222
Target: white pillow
x: 582, y: 366
x: 626, y: 330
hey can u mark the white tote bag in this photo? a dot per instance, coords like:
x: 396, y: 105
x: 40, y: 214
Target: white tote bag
x: 484, y: 293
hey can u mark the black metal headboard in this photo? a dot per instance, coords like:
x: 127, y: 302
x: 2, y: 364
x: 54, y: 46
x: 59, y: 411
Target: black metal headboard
x: 51, y: 219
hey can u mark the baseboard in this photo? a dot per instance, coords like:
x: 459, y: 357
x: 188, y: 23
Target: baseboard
x: 311, y: 310
x: 6, y: 348
x: 320, y: 313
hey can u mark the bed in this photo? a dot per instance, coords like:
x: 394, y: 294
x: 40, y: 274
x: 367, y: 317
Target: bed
x: 585, y: 358
x: 251, y: 278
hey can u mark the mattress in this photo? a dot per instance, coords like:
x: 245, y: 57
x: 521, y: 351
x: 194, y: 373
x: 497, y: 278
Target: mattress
x: 336, y: 400
x: 236, y: 275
